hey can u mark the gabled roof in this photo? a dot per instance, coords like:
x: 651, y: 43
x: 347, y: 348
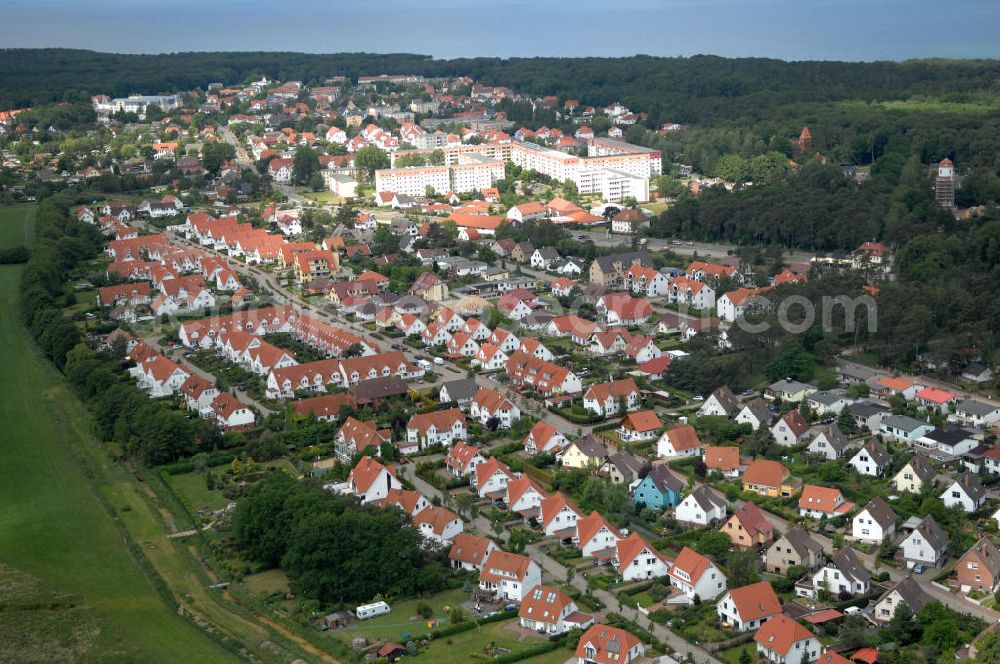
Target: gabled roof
x: 929, y: 529
x: 758, y: 408
x: 877, y: 453
x: 971, y: 486
x: 519, y: 486
x: 683, y: 437
x: 823, y: 499
x: 590, y: 525
x: 802, y: 542
x: 707, y: 499
x: 753, y: 520
x: 609, y: 644
x: 911, y: 593
x: 985, y: 553
x: 880, y: 512
x: 366, y: 472
x: 726, y: 399
x: 632, y: 546
x: 664, y: 480
x: 794, y: 420
x: 723, y: 459
x: 436, y: 517
x: 846, y: 560
x: 468, y: 548
x: 691, y: 562
x: 780, y: 633
x: 544, y: 604
x: 922, y: 468
x: 488, y: 469
x: 502, y: 565
x: 554, y: 504
x: 755, y: 601
x: 642, y: 421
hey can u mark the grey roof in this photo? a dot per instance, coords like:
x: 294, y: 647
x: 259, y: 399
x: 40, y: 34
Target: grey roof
x: 758, y: 407
x: 800, y: 540
x: 663, y: 479
x: 788, y: 385
x: 835, y: 437
x: 828, y: 397
x: 460, y: 390
x: 547, y: 252
x: 726, y: 399
x: 880, y: 511
x: 903, y: 422
x: 922, y: 468
x: 866, y: 409
x: 971, y: 485
x: 381, y: 387
x: 626, y: 259
x: 855, y: 371
x: 974, y: 407
x: 626, y: 464
x: 931, y: 531
x: 591, y: 446
x: 878, y: 453
x: 949, y: 435
x: 912, y: 594
x: 707, y: 499
x: 846, y: 560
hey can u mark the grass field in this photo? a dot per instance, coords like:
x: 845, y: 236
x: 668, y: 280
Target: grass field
x: 404, y: 619
x: 193, y: 488
x: 470, y: 645
x: 52, y: 525
x: 17, y: 225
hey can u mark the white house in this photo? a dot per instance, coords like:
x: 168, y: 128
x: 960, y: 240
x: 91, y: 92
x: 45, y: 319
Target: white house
x: 783, y: 641
x: 926, y: 545
x: 549, y: 610
x: 371, y: 481
x: 594, y: 535
x: 509, y: 576
x: 845, y: 573
x: 965, y: 493
x: 702, y: 507
x: 875, y: 522
x: 748, y: 607
x: 635, y: 559
x: 871, y: 460
x: 438, y: 524
x: 694, y: 574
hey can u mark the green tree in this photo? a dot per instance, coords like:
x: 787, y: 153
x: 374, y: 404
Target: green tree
x: 368, y: 160
x: 305, y: 165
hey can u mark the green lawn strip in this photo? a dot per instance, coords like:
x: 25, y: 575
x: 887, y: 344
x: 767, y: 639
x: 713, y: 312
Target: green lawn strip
x: 472, y: 645
x: 52, y: 524
x: 17, y: 225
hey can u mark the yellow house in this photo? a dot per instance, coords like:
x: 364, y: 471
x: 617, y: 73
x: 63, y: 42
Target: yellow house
x: 429, y: 286
x: 496, y: 274
x: 587, y: 452
x: 769, y: 478
x: 915, y: 475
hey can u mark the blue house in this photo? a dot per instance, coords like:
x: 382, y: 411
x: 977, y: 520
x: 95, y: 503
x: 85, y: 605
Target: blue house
x: 659, y: 489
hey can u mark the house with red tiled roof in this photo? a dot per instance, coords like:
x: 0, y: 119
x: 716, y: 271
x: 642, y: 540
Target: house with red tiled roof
x: 490, y: 479
x: 159, y: 376
x: 462, y: 459
x: 549, y: 610
x: 440, y: 427
x: 438, y: 524
x: 410, y: 502
x: 544, y: 437
x: 748, y: 607
x: 639, y: 426
x: 636, y: 559
x: 230, y: 413
x: 623, y: 309
x: 355, y: 436
x: 784, y: 641
x: 470, y: 551
x: 493, y: 409
x: 790, y: 429
x: 605, y: 399
x: 723, y: 460
x: 558, y: 516
x: 769, y: 478
x: 508, y: 576
x: 524, y: 497
x: 371, y: 481
x: 819, y: 501
x: 602, y: 644
x: 678, y: 441
x: 596, y: 537
x: 490, y: 358
x: 694, y: 574
x: 748, y: 527
x: 546, y: 378
x: 198, y: 392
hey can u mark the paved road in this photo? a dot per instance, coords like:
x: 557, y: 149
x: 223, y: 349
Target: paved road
x: 242, y: 157
x: 176, y: 354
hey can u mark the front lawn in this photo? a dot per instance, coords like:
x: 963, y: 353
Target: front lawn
x: 473, y: 644
x: 403, y: 618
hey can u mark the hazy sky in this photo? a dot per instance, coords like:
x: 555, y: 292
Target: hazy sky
x: 788, y: 29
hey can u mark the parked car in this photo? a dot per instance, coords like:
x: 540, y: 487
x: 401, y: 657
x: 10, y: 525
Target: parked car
x: 919, y: 569
x: 438, y: 361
